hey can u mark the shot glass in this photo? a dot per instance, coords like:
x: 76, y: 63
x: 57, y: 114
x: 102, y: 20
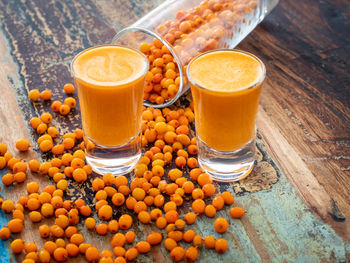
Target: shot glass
x: 110, y: 83
x: 226, y: 110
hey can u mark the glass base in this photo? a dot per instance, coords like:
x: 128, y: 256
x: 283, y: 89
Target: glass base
x: 226, y: 166
x: 116, y: 160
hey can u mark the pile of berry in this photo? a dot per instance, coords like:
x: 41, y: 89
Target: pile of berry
x: 154, y: 195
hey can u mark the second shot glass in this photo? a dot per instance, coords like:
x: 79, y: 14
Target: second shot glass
x: 225, y: 86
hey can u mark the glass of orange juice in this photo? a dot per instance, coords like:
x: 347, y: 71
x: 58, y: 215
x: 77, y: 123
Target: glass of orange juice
x: 225, y: 86
x: 110, y: 83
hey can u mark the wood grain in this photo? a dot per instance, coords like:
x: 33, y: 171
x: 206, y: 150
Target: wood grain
x: 304, y: 139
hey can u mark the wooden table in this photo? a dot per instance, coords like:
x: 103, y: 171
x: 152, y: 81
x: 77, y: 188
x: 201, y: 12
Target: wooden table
x: 298, y: 197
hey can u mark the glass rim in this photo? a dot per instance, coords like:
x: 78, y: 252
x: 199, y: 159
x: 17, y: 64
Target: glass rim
x: 261, y: 79
x: 173, y: 53
x: 109, y: 45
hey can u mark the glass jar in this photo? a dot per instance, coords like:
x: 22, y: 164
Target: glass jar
x: 182, y: 29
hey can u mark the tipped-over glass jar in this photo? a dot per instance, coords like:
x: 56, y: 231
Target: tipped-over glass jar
x: 178, y: 30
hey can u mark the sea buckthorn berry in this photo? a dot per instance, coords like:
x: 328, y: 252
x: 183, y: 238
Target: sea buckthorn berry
x: 46, y: 117
x: 174, y: 174
x: 47, y: 210
x: 237, y: 212
x: 44, y: 231
x: 161, y: 222
x: 70, y: 231
x: 143, y: 247
x: 188, y: 187
x: 62, y: 221
x: 56, y: 105
x: 3, y: 162
x: 42, y: 127
x: 220, y: 225
x: 64, y: 109
x: 7, y: 206
x: 35, y: 216
x: 210, y: 211
x: 60, y: 242
x: 79, y: 175
x: 131, y: 254
x: 198, y: 206
x: 90, y: 223
x: 77, y: 239
x: 118, y: 240
x: 71, y: 102
x: 180, y: 224
x: 155, y: 238
x: 50, y: 246
x: 180, y: 161
x: 3, y: 148
x: 138, y: 194
x: 203, y: 179
x: 7, y: 179
x: 72, y: 250
x: 192, y: 162
x: 209, y: 242
x: 197, y: 194
x: 144, y: 217
x: 140, y: 206
x: 108, y: 178
x: 57, y: 231
x: 218, y: 202
x: 105, y: 212
x: 5, y: 233
x: 34, y: 95
x: 170, y: 244
x: 228, y: 198
x: 192, y: 149
x: 169, y: 206
x: 118, y: 199
x: 20, y: 177
x: 191, y: 254
x: 198, y: 241
x: 221, y: 246
x: 98, y: 184
x: 45, y: 95
x: 208, y: 189
x: 19, y: 167
x: 44, y: 256
x: 69, y: 88
x: 92, y: 254
x: 34, y: 123
x: 171, y: 216
x: 177, y: 253
x: 102, y: 229
x: 101, y: 195
x: 22, y: 145
x: 18, y: 214
x: 125, y: 222
x: 119, y: 251
x: 194, y: 173
x: 17, y: 246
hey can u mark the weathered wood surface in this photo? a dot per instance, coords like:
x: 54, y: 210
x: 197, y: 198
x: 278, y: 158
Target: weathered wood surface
x: 298, y: 197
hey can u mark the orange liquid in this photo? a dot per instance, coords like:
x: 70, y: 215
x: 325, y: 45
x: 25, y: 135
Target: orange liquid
x: 110, y: 83
x: 225, y: 104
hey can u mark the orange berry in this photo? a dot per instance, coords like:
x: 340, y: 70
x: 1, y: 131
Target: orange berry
x: 190, y: 218
x: 92, y: 254
x: 221, y: 246
x: 56, y: 105
x: 144, y: 217
x: 17, y: 246
x: 177, y: 253
x: 218, y: 202
x: 191, y: 254
x: 237, y: 212
x: 228, y: 198
x: 125, y: 221
x: 46, y: 117
x: 22, y: 145
x: 130, y: 237
x: 189, y: 235
x: 102, y: 229
x: 45, y: 95
x: 34, y: 95
x: 197, y: 194
x: 208, y: 189
x: 171, y: 216
x: 64, y: 109
x: 220, y: 225
x: 5, y: 233
x: 90, y: 223
x: 155, y: 238
x: 210, y: 211
x: 161, y: 222
x: 131, y: 254
x: 72, y: 250
x: 68, y: 88
x: 198, y: 206
x: 105, y: 212
x: 70, y: 101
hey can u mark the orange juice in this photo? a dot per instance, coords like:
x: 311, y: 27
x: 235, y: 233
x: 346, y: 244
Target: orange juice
x: 225, y: 86
x: 110, y: 83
